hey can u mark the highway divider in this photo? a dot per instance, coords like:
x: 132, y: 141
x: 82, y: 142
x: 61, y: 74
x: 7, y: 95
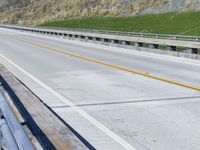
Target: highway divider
x: 175, y: 45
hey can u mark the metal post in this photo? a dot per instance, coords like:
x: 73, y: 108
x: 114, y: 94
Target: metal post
x: 86, y: 38
x: 153, y: 46
x: 171, y: 48
x: 124, y: 43
x: 136, y: 44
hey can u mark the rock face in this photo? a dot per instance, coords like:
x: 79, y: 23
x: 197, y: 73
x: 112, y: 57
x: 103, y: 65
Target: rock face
x: 9, y: 4
x: 40, y: 11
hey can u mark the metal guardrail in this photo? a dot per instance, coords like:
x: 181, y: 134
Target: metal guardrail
x: 13, y: 132
x: 120, y: 33
x: 175, y: 43
x: 7, y: 135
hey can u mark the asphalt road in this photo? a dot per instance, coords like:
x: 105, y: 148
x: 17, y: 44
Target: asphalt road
x: 113, y: 97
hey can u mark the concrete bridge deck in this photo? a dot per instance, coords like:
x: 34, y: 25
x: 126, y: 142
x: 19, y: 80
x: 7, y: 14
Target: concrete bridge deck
x: 113, y: 97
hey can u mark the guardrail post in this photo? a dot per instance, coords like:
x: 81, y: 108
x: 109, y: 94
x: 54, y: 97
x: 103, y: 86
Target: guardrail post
x: 153, y: 46
x: 63, y: 35
x: 86, y: 38
x: 171, y: 48
x: 139, y: 44
x: 94, y: 39
x: 191, y: 51
x: 194, y: 50
x: 80, y: 37
x: 67, y: 36
x: 136, y: 45
x: 102, y: 40
x: 124, y: 43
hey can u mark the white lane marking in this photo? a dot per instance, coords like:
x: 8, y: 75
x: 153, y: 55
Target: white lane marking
x: 103, y: 128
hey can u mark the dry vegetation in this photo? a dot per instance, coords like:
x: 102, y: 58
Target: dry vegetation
x: 40, y: 11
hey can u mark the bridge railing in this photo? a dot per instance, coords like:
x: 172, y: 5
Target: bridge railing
x: 11, y: 130
x: 176, y: 45
x: 121, y: 33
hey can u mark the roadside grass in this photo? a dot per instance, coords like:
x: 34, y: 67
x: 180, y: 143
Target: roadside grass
x: 185, y: 23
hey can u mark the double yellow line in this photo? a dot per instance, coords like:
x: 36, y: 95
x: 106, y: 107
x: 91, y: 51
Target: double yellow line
x: 111, y: 65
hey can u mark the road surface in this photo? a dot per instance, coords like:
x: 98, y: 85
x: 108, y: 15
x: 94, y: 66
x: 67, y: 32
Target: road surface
x: 113, y: 97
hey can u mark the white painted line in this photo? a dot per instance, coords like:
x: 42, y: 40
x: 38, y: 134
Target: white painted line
x: 103, y: 128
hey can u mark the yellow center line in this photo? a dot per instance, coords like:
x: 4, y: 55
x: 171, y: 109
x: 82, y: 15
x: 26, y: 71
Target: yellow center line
x: 112, y: 66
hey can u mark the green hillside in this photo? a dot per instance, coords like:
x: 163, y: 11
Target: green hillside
x: 186, y: 23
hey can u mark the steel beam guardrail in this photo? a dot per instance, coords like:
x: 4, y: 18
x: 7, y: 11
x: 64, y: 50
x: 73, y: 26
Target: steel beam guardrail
x: 21, y: 138
x: 191, y: 44
x: 120, y: 33
x: 7, y: 136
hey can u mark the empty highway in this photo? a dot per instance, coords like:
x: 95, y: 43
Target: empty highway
x: 114, y: 98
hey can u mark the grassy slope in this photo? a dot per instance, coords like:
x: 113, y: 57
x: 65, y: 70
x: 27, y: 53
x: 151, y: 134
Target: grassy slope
x: 187, y: 23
